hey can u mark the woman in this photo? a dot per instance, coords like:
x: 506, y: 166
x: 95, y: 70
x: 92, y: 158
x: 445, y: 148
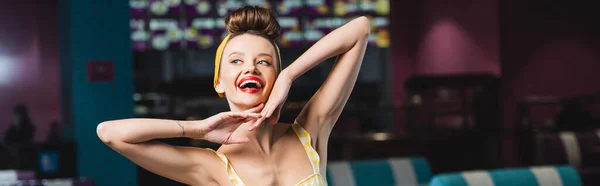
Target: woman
x: 256, y: 150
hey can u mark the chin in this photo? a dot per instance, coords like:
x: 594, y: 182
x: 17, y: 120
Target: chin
x: 249, y: 100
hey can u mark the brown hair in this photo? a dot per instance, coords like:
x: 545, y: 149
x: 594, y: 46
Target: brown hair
x: 253, y: 20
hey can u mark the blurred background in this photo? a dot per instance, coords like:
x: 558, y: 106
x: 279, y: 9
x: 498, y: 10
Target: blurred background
x: 465, y: 84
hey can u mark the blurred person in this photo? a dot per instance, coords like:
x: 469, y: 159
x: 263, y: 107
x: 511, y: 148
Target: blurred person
x: 248, y: 73
x: 21, y: 129
x: 54, y: 135
x: 575, y: 117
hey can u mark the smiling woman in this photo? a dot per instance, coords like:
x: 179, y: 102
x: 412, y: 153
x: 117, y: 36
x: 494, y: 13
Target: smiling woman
x: 248, y: 73
x: 246, y: 63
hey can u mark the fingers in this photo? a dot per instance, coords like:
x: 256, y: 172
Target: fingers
x: 275, y: 116
x: 241, y: 115
x: 256, y: 124
x: 268, y: 110
x: 245, y: 120
x: 254, y: 115
x: 267, y: 113
x: 238, y: 140
x: 264, y: 110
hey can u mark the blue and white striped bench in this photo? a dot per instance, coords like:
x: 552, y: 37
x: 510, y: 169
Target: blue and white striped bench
x: 52, y: 182
x: 532, y: 176
x: 566, y: 147
x: 14, y: 175
x: 381, y: 172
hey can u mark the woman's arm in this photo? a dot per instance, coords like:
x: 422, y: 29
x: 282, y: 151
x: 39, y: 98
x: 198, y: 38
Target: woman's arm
x: 349, y: 43
x: 133, y: 138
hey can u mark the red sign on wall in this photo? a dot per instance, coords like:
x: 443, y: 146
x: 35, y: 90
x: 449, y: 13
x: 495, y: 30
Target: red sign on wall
x: 98, y: 71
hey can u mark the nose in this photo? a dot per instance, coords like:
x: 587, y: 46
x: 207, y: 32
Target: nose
x: 250, y: 68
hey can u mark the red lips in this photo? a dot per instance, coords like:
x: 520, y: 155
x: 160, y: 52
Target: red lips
x: 251, y: 79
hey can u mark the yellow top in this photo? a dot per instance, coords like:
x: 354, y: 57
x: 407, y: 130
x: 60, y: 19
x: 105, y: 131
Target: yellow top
x: 314, y: 179
x: 219, y: 55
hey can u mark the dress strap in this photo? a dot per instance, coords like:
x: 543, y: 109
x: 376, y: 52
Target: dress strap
x: 233, y: 176
x: 305, y: 138
x: 221, y: 155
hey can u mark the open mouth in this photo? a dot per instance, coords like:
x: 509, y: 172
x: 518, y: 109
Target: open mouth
x: 250, y: 84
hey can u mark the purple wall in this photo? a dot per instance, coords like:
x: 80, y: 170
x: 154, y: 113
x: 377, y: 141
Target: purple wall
x: 29, y: 63
x: 459, y: 37
x: 539, y: 56
x: 545, y: 50
x: 442, y: 37
x: 558, y: 63
x: 549, y: 49
x: 405, y: 25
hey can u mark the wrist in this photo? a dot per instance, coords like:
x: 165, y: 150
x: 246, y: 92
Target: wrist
x: 190, y: 129
x: 287, y: 75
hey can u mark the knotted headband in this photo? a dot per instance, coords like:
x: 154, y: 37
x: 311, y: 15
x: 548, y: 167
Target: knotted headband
x: 219, y: 55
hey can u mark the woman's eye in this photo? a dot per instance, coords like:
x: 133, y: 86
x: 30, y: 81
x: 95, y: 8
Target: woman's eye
x: 237, y: 61
x: 263, y: 62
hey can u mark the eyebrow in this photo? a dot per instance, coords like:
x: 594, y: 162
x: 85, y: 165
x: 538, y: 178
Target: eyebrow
x: 265, y: 54
x: 241, y: 53
x: 238, y: 53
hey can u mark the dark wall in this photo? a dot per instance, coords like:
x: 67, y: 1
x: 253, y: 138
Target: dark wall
x: 97, y: 32
x: 548, y: 48
x: 405, y: 26
x: 29, y: 63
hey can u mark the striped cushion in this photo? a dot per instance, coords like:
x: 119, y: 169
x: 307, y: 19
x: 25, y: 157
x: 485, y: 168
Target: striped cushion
x: 533, y: 176
x: 396, y: 171
x: 14, y: 175
x: 53, y: 182
x: 569, y: 147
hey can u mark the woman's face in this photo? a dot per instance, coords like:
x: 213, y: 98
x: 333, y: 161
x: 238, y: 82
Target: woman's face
x: 248, y: 70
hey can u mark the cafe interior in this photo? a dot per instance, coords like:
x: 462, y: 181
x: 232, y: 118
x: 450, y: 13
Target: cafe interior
x: 450, y: 93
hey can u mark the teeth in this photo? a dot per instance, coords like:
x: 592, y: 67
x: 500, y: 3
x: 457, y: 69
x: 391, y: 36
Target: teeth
x: 258, y: 85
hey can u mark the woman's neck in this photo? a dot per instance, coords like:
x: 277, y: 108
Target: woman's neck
x: 261, y: 137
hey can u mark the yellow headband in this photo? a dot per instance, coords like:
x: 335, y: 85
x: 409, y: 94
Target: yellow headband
x: 219, y: 55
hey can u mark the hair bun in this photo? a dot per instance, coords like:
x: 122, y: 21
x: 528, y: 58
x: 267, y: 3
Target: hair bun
x: 255, y: 20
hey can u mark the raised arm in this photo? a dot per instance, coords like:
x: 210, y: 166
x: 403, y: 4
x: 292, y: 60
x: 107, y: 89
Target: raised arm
x: 349, y: 43
x: 133, y: 138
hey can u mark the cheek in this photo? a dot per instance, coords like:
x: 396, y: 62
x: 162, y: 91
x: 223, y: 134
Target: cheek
x: 228, y: 78
x: 270, y: 75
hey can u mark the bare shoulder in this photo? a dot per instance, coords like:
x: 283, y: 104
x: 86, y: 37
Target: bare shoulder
x: 313, y: 125
x: 309, y: 122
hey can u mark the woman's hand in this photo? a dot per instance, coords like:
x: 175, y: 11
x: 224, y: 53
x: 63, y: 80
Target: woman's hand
x: 219, y: 128
x: 276, y: 100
